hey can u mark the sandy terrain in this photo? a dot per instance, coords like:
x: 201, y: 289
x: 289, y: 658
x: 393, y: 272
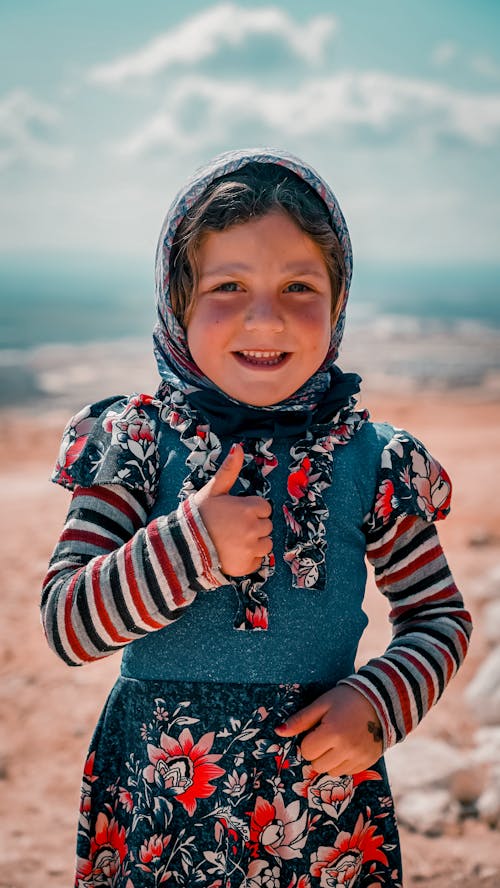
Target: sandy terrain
x: 48, y: 711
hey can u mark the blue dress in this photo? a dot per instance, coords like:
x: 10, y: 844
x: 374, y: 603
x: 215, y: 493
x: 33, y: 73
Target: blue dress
x: 186, y: 780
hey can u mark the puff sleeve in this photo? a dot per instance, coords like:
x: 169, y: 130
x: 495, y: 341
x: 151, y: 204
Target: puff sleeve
x: 112, y: 442
x: 114, y: 576
x: 431, y: 627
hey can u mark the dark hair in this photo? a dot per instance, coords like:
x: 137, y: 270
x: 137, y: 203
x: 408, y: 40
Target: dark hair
x: 250, y: 193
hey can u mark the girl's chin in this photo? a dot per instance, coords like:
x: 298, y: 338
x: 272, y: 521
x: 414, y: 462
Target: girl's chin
x: 260, y: 395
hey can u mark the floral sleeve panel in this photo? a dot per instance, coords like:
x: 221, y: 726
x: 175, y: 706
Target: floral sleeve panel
x: 410, y: 482
x: 111, y: 442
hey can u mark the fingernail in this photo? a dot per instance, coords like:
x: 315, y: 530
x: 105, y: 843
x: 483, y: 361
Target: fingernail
x: 233, y: 448
x: 283, y: 727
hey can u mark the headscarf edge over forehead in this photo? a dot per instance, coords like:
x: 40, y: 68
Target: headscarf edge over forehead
x: 171, y: 348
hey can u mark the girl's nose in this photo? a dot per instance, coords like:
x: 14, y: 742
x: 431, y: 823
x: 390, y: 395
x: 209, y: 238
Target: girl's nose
x: 264, y: 313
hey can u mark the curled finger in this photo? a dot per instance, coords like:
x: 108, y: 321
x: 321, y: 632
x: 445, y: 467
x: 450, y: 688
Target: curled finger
x: 329, y: 763
x: 264, y: 546
x: 265, y: 527
x: 316, y: 742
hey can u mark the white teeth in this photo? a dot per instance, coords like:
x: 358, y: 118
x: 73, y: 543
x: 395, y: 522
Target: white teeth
x: 262, y: 354
x: 263, y: 358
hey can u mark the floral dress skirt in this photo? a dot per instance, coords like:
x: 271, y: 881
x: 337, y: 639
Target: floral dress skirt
x: 187, y: 783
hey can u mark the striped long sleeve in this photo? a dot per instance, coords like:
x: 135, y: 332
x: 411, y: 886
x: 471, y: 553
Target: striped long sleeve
x: 431, y: 628
x: 113, y: 578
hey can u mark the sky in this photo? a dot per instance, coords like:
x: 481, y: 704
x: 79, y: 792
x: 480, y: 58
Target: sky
x: 107, y: 107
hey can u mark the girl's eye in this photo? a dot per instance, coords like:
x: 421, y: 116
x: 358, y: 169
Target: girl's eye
x: 227, y: 287
x: 298, y: 287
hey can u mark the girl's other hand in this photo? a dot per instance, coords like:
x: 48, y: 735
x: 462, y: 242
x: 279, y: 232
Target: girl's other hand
x: 343, y: 732
x: 240, y: 526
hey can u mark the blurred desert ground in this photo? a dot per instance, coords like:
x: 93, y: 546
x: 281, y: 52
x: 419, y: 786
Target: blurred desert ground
x: 48, y: 711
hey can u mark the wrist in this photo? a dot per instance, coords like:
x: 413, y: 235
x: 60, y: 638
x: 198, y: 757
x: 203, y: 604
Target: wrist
x: 209, y: 572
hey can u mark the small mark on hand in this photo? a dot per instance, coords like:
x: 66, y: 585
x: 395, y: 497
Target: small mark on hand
x: 376, y: 730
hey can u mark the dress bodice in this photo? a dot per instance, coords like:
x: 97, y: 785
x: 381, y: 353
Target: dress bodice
x: 312, y: 635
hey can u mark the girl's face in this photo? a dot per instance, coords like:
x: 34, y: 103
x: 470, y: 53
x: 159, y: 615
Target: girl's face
x: 260, y: 321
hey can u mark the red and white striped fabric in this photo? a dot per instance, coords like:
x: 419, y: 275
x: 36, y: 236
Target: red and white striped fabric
x: 111, y: 579
x: 431, y: 628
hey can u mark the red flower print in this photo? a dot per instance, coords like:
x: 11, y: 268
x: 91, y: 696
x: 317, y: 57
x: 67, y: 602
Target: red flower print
x: 298, y: 481
x: 126, y: 799
x: 266, y: 463
x: 330, y: 794
x: 384, y: 502
x: 339, y: 866
x: 85, y: 795
x: 184, y: 769
x: 74, y: 439
x: 139, y: 430
x: 138, y: 400
x: 107, y: 850
x: 301, y: 882
x: 153, y: 848
x: 72, y: 452
x: 278, y: 828
x: 341, y: 433
x: 292, y: 523
x: 83, y: 871
x: 132, y: 430
x: 258, y: 618
x: 432, y: 484
x: 88, y: 770
x: 304, y: 569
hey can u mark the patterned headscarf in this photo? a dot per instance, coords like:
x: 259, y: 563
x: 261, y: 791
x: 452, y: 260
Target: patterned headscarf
x: 175, y: 363
x: 187, y: 396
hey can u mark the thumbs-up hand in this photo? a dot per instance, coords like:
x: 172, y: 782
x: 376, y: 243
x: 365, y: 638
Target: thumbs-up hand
x: 343, y: 733
x: 240, y: 527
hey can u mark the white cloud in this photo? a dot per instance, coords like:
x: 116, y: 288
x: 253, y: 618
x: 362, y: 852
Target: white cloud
x: 385, y: 104
x: 447, y: 51
x: 26, y: 126
x: 444, y: 53
x: 201, y: 36
x: 486, y: 66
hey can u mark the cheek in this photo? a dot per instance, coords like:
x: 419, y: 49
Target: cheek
x: 315, y: 326
x: 194, y: 335
x: 211, y: 317
x: 206, y: 332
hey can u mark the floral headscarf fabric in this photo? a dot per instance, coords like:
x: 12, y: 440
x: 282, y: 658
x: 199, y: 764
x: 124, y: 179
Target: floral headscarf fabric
x: 175, y: 363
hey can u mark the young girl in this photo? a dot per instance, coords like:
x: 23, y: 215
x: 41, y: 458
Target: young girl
x: 245, y: 496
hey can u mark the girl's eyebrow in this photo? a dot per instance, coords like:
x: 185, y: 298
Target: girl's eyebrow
x: 290, y: 268
x: 229, y: 268
x: 299, y: 268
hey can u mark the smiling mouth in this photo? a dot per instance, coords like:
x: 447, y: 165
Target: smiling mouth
x: 262, y: 358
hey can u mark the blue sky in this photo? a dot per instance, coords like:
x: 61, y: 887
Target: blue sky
x: 106, y: 107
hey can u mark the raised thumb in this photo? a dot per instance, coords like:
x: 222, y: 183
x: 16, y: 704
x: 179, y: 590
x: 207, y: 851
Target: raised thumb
x: 228, y: 471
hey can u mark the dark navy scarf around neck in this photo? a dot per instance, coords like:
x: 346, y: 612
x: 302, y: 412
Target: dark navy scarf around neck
x: 227, y: 417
